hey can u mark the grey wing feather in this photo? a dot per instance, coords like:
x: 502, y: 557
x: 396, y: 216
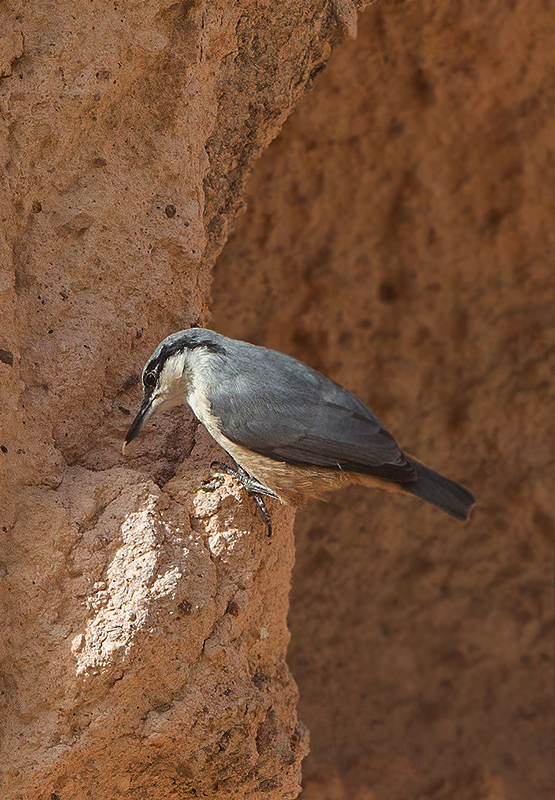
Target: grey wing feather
x: 280, y: 408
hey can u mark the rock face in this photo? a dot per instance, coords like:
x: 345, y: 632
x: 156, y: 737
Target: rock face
x: 144, y: 619
x: 161, y: 664
x: 399, y: 236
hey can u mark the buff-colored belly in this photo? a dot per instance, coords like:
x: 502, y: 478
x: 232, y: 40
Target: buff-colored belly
x: 295, y: 485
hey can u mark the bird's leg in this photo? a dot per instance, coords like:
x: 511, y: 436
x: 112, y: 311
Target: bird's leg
x: 264, y: 513
x: 246, y: 480
x: 253, y: 487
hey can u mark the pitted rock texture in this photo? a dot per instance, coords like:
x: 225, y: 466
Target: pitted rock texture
x: 399, y: 237
x: 167, y: 667
x: 144, y: 639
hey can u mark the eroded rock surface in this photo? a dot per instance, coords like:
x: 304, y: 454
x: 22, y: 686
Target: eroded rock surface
x: 160, y: 664
x: 144, y: 637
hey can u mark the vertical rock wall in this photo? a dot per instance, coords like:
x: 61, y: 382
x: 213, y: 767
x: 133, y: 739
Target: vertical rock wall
x: 143, y: 632
x: 399, y: 236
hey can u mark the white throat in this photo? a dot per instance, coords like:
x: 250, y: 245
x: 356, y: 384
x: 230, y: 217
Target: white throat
x: 174, y: 384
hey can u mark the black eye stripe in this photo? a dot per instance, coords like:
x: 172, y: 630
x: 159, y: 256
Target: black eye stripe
x: 178, y: 343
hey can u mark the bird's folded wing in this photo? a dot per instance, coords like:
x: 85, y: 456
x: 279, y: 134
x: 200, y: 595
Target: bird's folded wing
x: 315, y: 423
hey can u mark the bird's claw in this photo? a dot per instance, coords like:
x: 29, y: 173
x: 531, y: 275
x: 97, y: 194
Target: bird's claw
x: 212, y: 484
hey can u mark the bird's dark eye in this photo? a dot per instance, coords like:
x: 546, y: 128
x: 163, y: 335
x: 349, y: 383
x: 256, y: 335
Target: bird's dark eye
x: 149, y: 380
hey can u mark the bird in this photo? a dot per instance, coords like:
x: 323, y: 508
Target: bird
x: 293, y: 433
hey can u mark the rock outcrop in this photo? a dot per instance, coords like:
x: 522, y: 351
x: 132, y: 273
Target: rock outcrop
x: 144, y: 630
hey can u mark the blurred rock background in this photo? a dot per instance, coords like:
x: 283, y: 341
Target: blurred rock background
x: 399, y: 236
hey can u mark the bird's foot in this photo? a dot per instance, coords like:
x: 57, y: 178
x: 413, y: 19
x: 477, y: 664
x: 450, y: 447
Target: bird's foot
x: 252, y: 486
x: 214, y: 483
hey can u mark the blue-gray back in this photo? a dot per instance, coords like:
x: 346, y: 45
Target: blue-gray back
x: 281, y: 408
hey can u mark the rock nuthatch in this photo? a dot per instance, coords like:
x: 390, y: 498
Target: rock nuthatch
x: 293, y: 433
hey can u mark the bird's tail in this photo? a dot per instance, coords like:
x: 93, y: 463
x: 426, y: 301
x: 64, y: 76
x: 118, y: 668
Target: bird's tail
x: 440, y: 492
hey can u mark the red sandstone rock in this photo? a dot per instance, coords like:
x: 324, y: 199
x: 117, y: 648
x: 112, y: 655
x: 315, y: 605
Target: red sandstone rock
x: 399, y: 236
x: 144, y: 631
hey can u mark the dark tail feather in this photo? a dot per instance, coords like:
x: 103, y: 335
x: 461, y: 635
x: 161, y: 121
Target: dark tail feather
x: 440, y: 492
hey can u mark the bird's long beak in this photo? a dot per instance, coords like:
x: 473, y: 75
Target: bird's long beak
x: 147, y: 407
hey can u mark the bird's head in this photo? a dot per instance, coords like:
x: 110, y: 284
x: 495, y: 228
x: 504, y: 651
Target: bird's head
x: 168, y: 375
